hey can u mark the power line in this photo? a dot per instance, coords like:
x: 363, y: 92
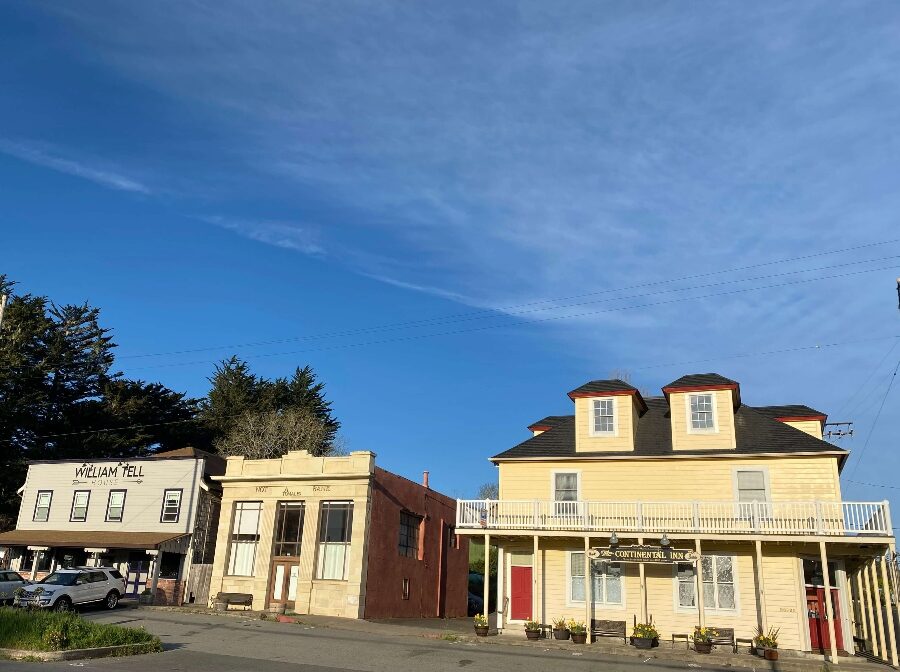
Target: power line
x: 868, y: 378
x: 528, y: 307
x: 817, y: 346
x: 877, y: 416
x: 415, y: 337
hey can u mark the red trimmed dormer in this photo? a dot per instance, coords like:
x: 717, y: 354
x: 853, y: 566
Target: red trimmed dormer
x: 701, y: 411
x: 606, y: 414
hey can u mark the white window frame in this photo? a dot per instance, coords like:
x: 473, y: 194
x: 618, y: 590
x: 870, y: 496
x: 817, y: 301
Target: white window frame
x: 675, y: 595
x: 165, y: 512
x: 38, y: 507
x: 87, y: 503
x: 764, y: 508
x: 698, y: 569
x: 234, y: 527
x: 618, y: 606
x: 715, y: 413
x: 326, y: 547
x: 615, y: 416
x: 563, y: 507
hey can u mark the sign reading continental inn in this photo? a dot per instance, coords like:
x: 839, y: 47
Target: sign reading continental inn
x: 653, y: 554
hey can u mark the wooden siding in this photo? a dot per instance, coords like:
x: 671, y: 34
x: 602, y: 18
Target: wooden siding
x: 686, y: 479
x: 811, y: 427
x: 143, y: 502
x: 724, y: 437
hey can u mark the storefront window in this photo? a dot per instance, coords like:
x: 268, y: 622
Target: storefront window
x: 718, y: 581
x: 335, y: 526
x: 43, y: 564
x: 288, y: 529
x: 244, y: 538
x: 606, y: 579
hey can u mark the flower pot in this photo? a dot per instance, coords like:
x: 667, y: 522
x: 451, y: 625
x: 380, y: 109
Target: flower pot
x: 703, y: 647
x: 771, y: 654
x: 759, y: 651
x: 277, y: 608
x: 561, y: 633
x: 642, y: 642
x: 481, y: 630
x: 221, y: 606
x: 579, y: 637
x: 533, y: 634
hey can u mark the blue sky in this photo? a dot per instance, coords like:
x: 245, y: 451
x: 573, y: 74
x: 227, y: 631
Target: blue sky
x: 312, y: 173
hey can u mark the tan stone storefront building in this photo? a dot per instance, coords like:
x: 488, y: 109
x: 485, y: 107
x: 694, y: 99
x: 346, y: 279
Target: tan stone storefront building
x: 308, y: 533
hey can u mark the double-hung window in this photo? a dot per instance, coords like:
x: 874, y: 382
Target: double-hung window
x: 604, y: 423
x: 42, y: 506
x: 171, y: 507
x: 409, y: 534
x: 718, y: 581
x: 115, y: 506
x: 288, y: 529
x: 244, y: 538
x: 606, y: 580
x: 565, y: 493
x: 80, y: 506
x: 335, y: 527
x: 703, y: 412
x: 687, y: 584
x: 751, y: 487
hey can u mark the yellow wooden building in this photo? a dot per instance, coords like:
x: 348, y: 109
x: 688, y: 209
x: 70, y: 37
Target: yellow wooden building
x: 754, y: 492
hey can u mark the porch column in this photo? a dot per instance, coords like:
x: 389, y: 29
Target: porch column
x: 535, y: 573
x: 643, y: 577
x: 487, y: 573
x: 588, y: 587
x: 154, y: 581
x: 760, y: 589
x: 698, y: 578
x: 860, y: 598
x: 879, y: 611
x: 501, y: 587
x: 876, y: 649
x: 829, y: 607
x: 891, y: 638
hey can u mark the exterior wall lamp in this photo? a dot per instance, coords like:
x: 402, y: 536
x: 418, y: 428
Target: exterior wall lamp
x: 664, y: 542
x: 613, y: 539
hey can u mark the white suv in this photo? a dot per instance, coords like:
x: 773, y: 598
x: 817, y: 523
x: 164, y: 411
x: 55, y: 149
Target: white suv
x: 65, y: 588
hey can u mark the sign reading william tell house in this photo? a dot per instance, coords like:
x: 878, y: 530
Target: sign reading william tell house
x: 653, y: 554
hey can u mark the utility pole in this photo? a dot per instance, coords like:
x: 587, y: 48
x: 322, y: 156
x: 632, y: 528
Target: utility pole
x: 4, y: 296
x: 898, y: 295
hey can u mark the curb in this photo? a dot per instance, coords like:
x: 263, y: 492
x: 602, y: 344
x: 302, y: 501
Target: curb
x: 81, y: 654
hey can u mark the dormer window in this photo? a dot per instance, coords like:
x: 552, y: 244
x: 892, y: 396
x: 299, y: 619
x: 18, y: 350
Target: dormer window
x: 604, y: 421
x: 703, y: 412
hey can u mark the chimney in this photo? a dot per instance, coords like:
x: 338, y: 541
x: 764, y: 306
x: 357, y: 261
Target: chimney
x: 425, y: 479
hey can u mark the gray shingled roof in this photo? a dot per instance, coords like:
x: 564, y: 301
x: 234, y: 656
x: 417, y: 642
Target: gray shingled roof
x: 614, y: 385
x: 756, y: 433
x: 790, y: 411
x: 550, y: 421
x: 700, y: 380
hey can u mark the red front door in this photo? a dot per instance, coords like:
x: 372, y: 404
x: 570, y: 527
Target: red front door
x: 818, y: 619
x: 520, y: 593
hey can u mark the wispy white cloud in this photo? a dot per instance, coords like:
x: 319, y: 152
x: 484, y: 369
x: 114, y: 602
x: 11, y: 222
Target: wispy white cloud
x: 287, y: 235
x: 50, y: 158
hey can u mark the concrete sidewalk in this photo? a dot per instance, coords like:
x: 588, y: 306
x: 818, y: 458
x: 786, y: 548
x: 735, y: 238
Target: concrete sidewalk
x: 461, y: 630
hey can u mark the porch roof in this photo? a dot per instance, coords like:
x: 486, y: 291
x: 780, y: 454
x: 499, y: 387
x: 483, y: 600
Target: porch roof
x: 87, y: 539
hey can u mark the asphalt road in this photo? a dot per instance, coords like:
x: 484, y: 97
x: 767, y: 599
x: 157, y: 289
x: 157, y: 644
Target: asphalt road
x: 208, y: 643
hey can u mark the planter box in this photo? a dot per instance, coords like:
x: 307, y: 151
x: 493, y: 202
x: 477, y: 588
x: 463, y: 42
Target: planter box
x: 771, y: 654
x: 703, y: 647
x: 561, y: 634
x: 533, y: 634
x: 579, y: 637
x: 481, y: 630
x: 644, y: 642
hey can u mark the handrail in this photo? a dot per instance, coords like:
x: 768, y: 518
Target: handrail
x: 809, y: 517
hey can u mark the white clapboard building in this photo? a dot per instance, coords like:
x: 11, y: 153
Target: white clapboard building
x: 153, y: 518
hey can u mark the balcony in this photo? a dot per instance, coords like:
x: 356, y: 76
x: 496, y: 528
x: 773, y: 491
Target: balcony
x: 809, y: 518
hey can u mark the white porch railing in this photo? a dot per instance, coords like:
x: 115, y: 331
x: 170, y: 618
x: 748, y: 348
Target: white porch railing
x: 786, y: 518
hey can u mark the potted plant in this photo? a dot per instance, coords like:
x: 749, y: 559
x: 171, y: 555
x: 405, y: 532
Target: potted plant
x: 560, y: 629
x: 146, y: 597
x: 645, y: 636
x: 532, y: 629
x: 770, y: 642
x: 703, y: 639
x: 481, y: 625
x: 578, y: 631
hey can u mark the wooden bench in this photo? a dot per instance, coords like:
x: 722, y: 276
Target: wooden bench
x: 725, y: 637
x: 601, y: 628
x: 240, y: 599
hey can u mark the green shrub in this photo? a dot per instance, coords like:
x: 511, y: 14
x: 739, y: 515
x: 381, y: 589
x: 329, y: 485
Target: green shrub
x: 36, y: 630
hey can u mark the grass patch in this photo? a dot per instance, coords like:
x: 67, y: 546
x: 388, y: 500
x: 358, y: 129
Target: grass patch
x: 36, y: 630
x: 450, y: 637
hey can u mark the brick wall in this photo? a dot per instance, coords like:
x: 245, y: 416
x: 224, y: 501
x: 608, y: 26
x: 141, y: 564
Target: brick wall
x: 169, y: 592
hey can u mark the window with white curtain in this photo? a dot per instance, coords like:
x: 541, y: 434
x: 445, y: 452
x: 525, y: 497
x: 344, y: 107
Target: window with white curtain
x: 335, y: 527
x: 751, y: 486
x: 244, y: 538
x: 687, y: 586
x: 718, y: 581
x: 565, y: 486
x: 604, y: 417
x: 606, y: 580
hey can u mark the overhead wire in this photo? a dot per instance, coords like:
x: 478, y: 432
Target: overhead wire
x: 875, y: 422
